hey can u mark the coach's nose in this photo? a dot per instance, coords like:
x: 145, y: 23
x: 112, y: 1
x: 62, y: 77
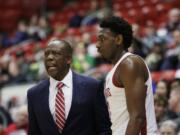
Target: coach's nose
x: 50, y: 56
x: 98, y: 47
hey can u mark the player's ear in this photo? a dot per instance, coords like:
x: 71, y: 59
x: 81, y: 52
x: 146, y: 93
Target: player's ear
x: 119, y: 39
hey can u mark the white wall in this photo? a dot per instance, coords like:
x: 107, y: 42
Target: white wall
x: 19, y: 91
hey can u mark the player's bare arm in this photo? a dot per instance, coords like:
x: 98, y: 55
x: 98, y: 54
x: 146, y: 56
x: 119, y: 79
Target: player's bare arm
x: 133, y: 75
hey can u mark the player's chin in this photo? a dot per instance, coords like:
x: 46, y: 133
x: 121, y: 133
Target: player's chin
x: 104, y: 56
x: 101, y: 55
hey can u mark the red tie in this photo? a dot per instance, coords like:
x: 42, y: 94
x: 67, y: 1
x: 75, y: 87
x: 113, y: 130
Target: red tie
x: 60, y: 107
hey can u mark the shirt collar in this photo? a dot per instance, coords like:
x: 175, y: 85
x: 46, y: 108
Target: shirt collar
x: 66, y: 80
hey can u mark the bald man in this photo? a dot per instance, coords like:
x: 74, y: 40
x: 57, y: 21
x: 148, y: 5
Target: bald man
x: 66, y: 103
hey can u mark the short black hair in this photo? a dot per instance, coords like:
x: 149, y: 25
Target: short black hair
x: 118, y: 25
x: 68, y: 47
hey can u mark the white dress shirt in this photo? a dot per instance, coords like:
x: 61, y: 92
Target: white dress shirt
x: 67, y: 90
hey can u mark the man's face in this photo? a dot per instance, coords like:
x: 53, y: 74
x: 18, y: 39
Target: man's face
x: 167, y: 131
x: 106, y: 44
x: 21, y: 119
x: 159, y: 110
x: 173, y: 100
x: 56, y: 60
x: 161, y: 89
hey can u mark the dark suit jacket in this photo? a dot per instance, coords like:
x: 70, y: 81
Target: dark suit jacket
x: 88, y: 114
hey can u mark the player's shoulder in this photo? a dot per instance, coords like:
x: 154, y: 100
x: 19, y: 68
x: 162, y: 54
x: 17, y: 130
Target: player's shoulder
x: 133, y: 61
x: 134, y: 65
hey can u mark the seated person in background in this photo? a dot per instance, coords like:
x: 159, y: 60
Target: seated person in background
x: 19, y: 127
x: 168, y: 128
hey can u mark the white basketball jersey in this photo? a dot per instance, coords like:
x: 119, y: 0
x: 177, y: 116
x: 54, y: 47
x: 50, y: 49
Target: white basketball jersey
x: 116, y: 100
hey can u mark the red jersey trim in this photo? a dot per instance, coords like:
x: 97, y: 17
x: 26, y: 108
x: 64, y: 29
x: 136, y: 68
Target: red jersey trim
x: 115, y: 82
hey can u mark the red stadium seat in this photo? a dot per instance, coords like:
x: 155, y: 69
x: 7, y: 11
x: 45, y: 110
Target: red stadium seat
x: 74, y: 31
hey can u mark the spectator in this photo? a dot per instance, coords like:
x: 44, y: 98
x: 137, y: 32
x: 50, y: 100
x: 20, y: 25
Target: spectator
x: 22, y: 66
x: 174, y: 104
x: 168, y: 128
x: 90, y: 17
x: 20, y: 35
x: 13, y: 69
x: 173, y: 21
x: 33, y: 28
x: 20, y: 125
x: 172, y: 58
x: 75, y: 20
x: 5, y: 119
x: 44, y: 28
x: 155, y: 57
x: 160, y: 105
x: 175, y: 83
x: 162, y: 88
x: 96, y: 13
x: 12, y: 105
x: 137, y: 47
x: 4, y: 72
x: 150, y: 38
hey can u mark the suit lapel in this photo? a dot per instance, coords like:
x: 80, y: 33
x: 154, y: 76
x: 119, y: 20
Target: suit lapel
x: 45, y: 106
x: 77, y: 86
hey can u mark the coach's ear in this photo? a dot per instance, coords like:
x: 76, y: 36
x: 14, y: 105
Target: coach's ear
x: 69, y: 61
x: 119, y: 39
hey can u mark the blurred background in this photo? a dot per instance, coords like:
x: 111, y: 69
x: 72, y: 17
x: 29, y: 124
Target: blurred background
x: 27, y: 25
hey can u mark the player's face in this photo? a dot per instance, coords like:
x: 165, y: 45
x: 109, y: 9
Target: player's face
x: 106, y: 44
x: 56, y: 60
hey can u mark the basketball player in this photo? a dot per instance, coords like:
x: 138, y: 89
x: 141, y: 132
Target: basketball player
x: 128, y: 85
